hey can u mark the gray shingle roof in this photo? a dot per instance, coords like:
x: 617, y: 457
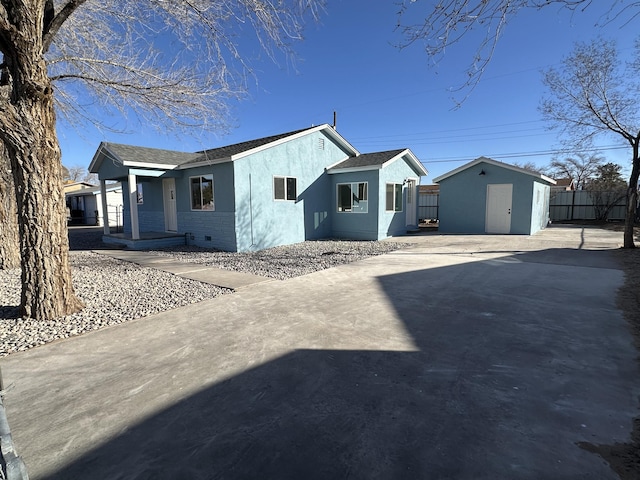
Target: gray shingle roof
x: 369, y: 159
x: 230, y: 150
x: 170, y: 157
x: 129, y: 153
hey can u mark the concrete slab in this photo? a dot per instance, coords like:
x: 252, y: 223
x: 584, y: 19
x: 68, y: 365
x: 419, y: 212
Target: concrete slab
x: 462, y: 357
x: 214, y: 276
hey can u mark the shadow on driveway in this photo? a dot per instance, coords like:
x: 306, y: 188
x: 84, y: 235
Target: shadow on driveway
x: 517, y: 360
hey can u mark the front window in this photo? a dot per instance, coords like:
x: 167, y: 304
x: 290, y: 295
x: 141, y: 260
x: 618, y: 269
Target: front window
x: 202, y: 193
x: 353, y: 197
x: 394, y: 197
x: 285, y: 188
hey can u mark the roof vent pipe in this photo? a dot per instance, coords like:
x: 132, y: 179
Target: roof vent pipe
x: 335, y: 116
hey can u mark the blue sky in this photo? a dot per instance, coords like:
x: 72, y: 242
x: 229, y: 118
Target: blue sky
x: 386, y: 98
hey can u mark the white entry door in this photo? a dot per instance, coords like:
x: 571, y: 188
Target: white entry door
x: 169, y: 199
x: 498, y: 217
x: 411, y: 203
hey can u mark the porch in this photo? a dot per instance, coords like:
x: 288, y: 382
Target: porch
x: 147, y: 240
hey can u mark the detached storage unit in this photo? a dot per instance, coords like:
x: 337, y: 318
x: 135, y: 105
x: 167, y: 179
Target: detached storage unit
x: 487, y: 196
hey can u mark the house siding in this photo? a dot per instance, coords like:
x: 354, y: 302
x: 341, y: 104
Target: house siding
x: 395, y: 223
x: 463, y: 199
x: 351, y: 225
x: 261, y: 221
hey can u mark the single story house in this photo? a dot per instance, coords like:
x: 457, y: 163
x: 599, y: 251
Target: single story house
x: 277, y: 190
x: 83, y: 205
x: 487, y: 196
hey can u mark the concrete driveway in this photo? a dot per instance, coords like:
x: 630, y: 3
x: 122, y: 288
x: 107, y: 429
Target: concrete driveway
x: 462, y: 357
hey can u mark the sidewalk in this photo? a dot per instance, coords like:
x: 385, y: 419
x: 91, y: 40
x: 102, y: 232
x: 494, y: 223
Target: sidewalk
x: 215, y: 276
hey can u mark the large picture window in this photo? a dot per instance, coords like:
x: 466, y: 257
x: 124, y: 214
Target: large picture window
x: 353, y: 197
x: 202, y: 192
x: 394, y: 197
x: 285, y: 188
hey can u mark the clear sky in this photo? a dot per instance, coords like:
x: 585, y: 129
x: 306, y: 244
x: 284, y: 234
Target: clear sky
x: 386, y: 98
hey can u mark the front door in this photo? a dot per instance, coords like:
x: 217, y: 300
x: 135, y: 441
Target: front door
x: 411, y: 204
x: 169, y: 199
x: 498, y: 216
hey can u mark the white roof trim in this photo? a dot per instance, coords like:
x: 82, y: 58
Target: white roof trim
x: 354, y: 169
x: 203, y: 163
x: 413, y: 159
x: 145, y: 165
x: 490, y: 161
x: 331, y: 132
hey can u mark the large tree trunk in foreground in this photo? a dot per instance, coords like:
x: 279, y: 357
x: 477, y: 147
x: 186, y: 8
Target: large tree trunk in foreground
x: 9, y: 239
x: 632, y: 195
x: 27, y: 129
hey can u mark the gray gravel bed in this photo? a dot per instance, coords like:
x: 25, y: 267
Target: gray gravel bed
x: 287, y: 261
x: 113, y: 292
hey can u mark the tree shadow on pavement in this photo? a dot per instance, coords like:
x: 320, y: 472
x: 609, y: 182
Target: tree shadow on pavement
x: 518, y: 361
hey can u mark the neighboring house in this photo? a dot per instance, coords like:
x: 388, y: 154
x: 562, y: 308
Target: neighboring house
x: 487, y: 196
x: 563, y: 185
x: 278, y: 190
x: 84, y: 205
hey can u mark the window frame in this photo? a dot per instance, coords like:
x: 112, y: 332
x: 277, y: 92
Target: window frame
x: 207, y: 176
x: 397, y: 189
x: 286, y: 184
x: 360, y: 200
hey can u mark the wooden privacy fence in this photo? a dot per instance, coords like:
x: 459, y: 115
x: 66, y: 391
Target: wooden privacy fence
x: 573, y: 205
x: 428, y: 205
x: 587, y: 205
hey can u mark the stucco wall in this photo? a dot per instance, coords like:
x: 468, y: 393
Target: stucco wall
x: 355, y: 225
x: 261, y: 221
x: 540, y: 207
x: 463, y: 199
x: 395, y: 223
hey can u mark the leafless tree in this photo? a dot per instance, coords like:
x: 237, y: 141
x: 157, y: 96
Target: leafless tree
x: 78, y: 173
x: 579, y: 168
x: 594, y: 94
x: 9, y: 240
x: 447, y: 22
x: 173, y: 63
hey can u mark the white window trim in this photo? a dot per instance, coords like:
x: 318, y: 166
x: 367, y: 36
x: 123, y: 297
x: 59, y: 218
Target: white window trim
x: 338, y: 198
x: 213, y: 195
x: 394, y: 197
x: 285, y: 199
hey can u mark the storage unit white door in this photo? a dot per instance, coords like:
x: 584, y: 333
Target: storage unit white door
x: 498, y: 216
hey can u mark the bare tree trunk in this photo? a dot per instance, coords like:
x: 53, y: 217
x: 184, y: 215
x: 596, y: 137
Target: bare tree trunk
x: 632, y: 198
x: 27, y: 129
x: 9, y: 239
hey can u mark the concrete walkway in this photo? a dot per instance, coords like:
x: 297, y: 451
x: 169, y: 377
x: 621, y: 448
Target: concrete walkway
x: 466, y: 357
x: 215, y: 276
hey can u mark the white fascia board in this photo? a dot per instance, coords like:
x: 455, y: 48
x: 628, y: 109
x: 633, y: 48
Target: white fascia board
x: 146, y: 172
x: 412, y: 159
x: 326, y: 127
x: 160, y: 166
x: 204, y: 163
x: 491, y: 161
x: 101, y: 152
x: 354, y: 169
x: 333, y: 165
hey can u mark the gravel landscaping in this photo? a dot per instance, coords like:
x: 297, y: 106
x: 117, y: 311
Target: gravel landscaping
x: 115, y: 291
x: 288, y: 261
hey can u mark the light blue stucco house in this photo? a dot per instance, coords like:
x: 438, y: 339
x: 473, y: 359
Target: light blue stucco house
x: 487, y: 196
x: 278, y: 190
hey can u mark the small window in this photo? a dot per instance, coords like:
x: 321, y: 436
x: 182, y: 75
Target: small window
x: 353, y: 197
x: 394, y: 197
x: 139, y: 196
x: 285, y: 188
x: 202, y: 192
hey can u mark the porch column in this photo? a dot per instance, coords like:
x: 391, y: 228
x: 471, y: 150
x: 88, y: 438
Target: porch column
x: 133, y: 206
x: 103, y: 201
